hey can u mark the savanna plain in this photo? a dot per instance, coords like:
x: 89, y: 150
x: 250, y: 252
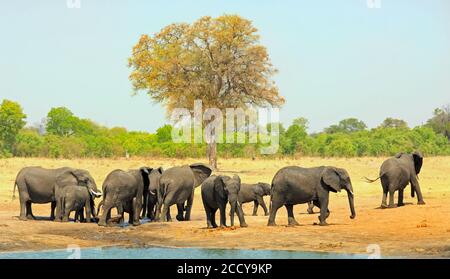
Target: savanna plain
x: 409, y: 231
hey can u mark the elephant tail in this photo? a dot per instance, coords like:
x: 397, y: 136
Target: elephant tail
x: 62, y: 202
x: 163, y: 186
x: 99, y: 206
x: 14, y: 190
x: 368, y: 180
x: 271, y: 195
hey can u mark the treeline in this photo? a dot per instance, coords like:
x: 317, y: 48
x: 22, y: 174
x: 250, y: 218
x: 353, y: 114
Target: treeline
x: 64, y: 135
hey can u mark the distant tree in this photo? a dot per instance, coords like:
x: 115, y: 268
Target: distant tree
x: 394, y: 123
x: 60, y: 122
x: 302, y: 122
x: 164, y: 133
x: 440, y: 122
x: 348, y: 125
x: 217, y: 60
x: 291, y: 138
x: 281, y: 129
x: 12, y: 119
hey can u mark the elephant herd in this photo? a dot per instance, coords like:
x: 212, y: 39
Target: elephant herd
x: 150, y: 192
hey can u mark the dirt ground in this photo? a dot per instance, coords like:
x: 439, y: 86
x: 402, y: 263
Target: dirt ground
x: 412, y: 230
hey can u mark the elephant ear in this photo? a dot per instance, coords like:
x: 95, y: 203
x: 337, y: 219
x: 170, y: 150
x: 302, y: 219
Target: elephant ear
x: 398, y: 155
x: 266, y: 188
x: 259, y: 189
x: 238, y: 179
x: 331, y: 178
x: 145, y: 170
x: 418, y: 160
x: 219, y: 185
x: 80, y: 176
x: 201, y: 172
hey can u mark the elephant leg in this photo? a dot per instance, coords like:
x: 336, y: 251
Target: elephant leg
x: 400, y: 198
x: 158, y: 211
x: 144, y: 207
x: 291, y: 218
x: 52, y: 210
x: 240, y: 214
x: 316, y: 203
x: 77, y: 216
x: 105, y: 216
x: 311, y: 207
x: 88, y: 210
x: 81, y: 215
x: 223, y: 220
x: 180, y: 215
x: 23, y: 210
x: 415, y: 184
x: 255, y: 208
x: 263, y: 205
x: 274, y: 206
x: 190, y: 201
x: 65, y: 218
x: 213, y: 217
x: 30, y: 215
x: 384, y: 199
x: 208, y: 217
x: 58, y: 211
x: 391, y: 198
x: 324, y: 212
x: 135, y: 212
x: 165, y: 213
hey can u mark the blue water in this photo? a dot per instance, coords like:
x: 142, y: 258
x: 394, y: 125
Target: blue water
x: 173, y: 253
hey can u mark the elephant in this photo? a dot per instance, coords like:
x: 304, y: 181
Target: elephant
x: 76, y: 198
x: 395, y: 174
x: 310, y: 209
x: 124, y: 190
x: 150, y: 194
x: 294, y: 185
x: 40, y: 185
x: 217, y: 191
x: 254, y: 193
x: 176, y: 186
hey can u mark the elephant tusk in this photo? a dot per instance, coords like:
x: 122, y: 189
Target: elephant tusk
x: 97, y: 194
x: 153, y: 193
x: 350, y: 192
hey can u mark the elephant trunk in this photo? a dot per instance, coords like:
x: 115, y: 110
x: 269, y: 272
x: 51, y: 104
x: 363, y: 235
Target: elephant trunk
x: 233, y: 212
x: 351, y: 202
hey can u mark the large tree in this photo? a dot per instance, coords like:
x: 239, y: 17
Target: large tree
x: 217, y: 60
x: 12, y: 119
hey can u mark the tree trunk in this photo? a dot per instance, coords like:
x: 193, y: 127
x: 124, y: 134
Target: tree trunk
x: 211, y: 153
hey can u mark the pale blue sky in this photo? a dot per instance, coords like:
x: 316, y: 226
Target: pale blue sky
x: 336, y: 59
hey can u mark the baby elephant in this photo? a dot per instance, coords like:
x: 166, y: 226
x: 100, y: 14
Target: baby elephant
x: 76, y: 198
x: 216, y: 192
x: 254, y: 193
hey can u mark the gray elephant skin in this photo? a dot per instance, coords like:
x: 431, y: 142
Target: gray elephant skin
x: 295, y: 185
x: 40, y: 185
x: 255, y: 193
x: 176, y: 186
x: 124, y: 191
x: 150, y: 194
x: 217, y: 191
x: 396, y: 173
x: 76, y: 198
